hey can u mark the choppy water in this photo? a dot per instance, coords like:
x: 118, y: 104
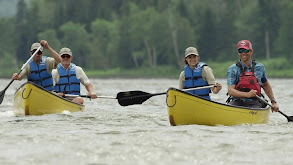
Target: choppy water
x: 106, y: 133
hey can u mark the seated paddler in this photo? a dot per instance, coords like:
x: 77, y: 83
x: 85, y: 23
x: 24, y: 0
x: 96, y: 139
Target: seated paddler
x: 68, y: 77
x: 39, y: 70
x: 197, y: 74
x: 245, y: 79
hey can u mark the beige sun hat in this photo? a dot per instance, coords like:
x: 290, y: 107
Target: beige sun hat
x: 190, y: 51
x: 36, y: 46
x: 65, y: 51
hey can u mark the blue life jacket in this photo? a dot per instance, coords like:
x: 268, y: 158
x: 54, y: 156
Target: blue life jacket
x: 68, y: 82
x: 39, y: 74
x: 193, y: 79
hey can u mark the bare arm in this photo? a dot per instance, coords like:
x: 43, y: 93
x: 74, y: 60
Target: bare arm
x: 269, y: 92
x: 23, y: 73
x: 89, y: 88
x: 52, y: 51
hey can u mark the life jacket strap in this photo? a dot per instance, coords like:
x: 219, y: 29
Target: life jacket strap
x: 193, y: 78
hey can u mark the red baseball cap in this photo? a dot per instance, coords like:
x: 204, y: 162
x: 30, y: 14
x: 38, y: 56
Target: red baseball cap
x: 244, y: 44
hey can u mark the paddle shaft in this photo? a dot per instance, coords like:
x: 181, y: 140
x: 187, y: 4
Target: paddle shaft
x: 156, y: 94
x: 23, y: 66
x: 289, y: 118
x: 135, y: 97
x: 204, y: 87
x: 88, y: 96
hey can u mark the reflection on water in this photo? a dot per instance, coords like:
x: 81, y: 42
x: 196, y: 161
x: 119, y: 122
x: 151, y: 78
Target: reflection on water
x: 106, y: 133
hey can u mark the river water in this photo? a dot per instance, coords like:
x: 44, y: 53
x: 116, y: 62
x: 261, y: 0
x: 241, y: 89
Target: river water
x: 106, y: 133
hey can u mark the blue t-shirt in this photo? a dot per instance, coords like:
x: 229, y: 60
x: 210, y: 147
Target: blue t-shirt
x: 234, y: 72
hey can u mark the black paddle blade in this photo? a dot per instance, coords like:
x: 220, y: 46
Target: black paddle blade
x: 2, y: 96
x: 289, y: 118
x: 132, y: 97
x: 3, y: 91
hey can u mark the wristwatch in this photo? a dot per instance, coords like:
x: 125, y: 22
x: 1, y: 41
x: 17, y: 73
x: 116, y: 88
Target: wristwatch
x: 273, y: 101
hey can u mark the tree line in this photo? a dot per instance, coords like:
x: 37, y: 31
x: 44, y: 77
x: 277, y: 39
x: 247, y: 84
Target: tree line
x: 104, y: 34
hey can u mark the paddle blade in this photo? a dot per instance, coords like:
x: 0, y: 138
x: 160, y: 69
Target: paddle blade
x: 289, y: 118
x: 2, y: 96
x: 132, y: 97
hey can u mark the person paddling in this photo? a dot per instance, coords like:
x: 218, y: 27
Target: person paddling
x: 197, y: 74
x: 40, y: 68
x: 67, y: 78
x: 245, y: 79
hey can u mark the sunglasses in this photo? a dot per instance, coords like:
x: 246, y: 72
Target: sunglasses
x: 65, y: 56
x: 243, y: 51
x: 39, y: 52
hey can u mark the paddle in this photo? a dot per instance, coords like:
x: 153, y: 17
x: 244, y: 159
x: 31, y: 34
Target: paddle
x: 289, y: 118
x: 23, y: 66
x: 138, y: 97
x: 125, y: 98
x: 135, y: 97
x: 88, y: 96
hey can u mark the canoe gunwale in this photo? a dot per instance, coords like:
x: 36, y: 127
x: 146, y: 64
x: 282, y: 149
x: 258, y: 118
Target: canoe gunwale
x: 48, y: 92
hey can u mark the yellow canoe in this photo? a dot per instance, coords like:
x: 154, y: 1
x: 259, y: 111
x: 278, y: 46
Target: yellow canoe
x: 185, y: 108
x: 31, y: 99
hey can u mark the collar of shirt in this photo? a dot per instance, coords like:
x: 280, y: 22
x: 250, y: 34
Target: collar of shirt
x: 244, y: 67
x: 64, y: 67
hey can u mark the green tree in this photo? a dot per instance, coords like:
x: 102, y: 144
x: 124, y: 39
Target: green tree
x: 105, y: 37
x: 8, y: 62
x: 124, y: 58
x: 207, y: 42
x: 284, y: 41
x: 181, y: 34
x: 51, y: 36
x: 268, y: 20
x: 75, y: 37
x: 226, y: 40
x: 22, y: 30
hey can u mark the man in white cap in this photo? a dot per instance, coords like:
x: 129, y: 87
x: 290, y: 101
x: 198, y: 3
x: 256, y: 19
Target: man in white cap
x: 67, y: 77
x: 197, y: 74
x: 40, y: 68
x: 245, y: 79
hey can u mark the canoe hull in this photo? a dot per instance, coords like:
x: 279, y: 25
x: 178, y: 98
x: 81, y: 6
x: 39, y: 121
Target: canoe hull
x: 185, y: 109
x: 31, y: 99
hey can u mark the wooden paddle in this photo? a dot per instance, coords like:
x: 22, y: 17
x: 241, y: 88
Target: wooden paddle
x: 289, y: 118
x: 135, y: 97
x: 23, y: 66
